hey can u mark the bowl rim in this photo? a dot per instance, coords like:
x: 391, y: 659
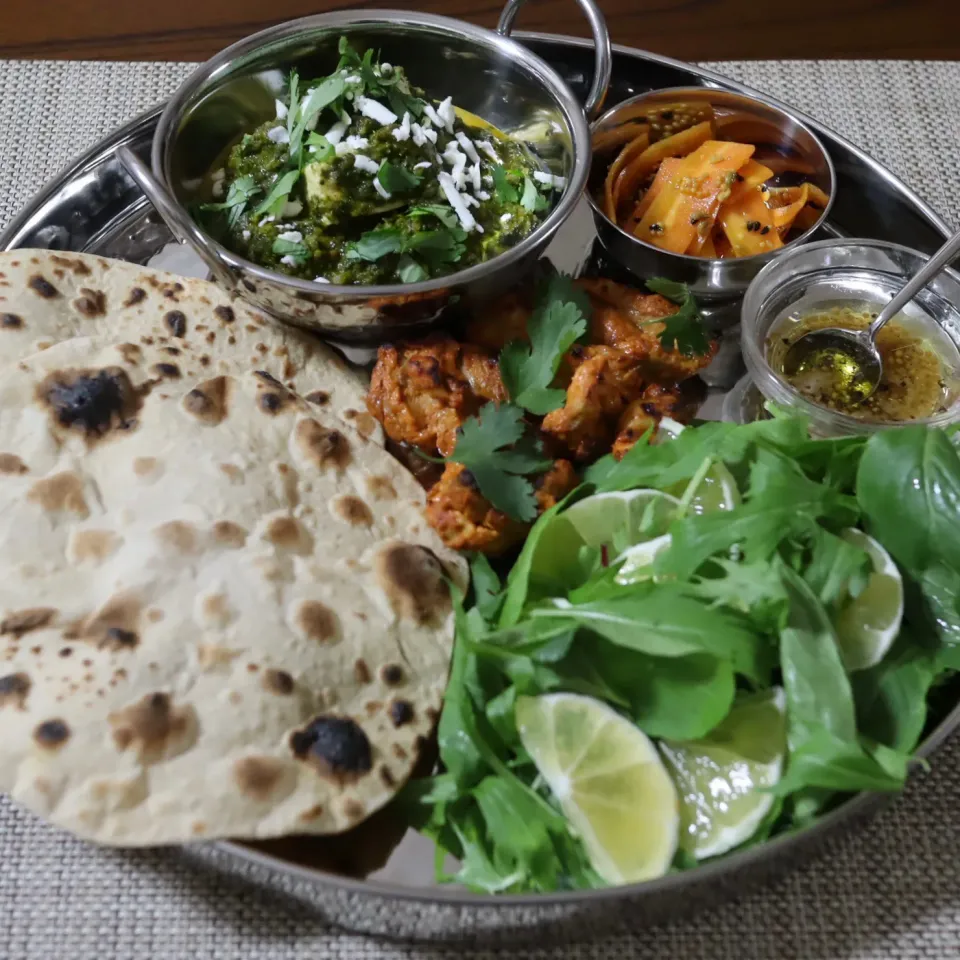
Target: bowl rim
x: 754, y: 258
x: 208, y: 73
x: 754, y: 355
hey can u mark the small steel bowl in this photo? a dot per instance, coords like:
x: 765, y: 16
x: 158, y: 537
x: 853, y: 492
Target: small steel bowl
x: 739, y: 117
x: 486, y: 73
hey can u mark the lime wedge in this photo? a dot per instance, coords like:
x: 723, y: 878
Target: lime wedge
x: 627, y: 517
x: 868, y: 624
x: 638, y: 561
x: 720, y: 778
x: 716, y: 490
x: 667, y: 429
x: 609, y: 781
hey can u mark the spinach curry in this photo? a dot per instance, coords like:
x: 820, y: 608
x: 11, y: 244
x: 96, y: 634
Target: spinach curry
x: 360, y: 179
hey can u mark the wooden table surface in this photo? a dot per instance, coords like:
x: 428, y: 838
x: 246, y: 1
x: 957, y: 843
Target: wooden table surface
x: 689, y: 29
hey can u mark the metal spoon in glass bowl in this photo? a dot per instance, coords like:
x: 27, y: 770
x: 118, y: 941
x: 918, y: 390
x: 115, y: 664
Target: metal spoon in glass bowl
x: 850, y: 357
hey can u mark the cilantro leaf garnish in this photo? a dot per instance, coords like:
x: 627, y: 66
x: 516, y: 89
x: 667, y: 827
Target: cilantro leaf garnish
x: 240, y: 192
x: 319, y: 97
x: 492, y: 446
x: 557, y: 322
x: 528, y: 199
x: 375, y: 244
x: 278, y: 194
x: 287, y: 248
x: 684, y: 330
x: 396, y: 179
x: 437, y: 247
x: 444, y: 214
x: 506, y: 191
x: 325, y: 149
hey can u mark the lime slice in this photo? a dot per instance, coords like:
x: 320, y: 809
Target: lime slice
x: 627, y: 517
x: 868, y: 624
x: 667, y: 429
x: 638, y: 561
x: 609, y: 781
x: 717, y: 490
x: 720, y: 778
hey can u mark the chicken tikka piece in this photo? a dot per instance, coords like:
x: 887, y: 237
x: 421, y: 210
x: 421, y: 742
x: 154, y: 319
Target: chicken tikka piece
x: 422, y: 391
x: 466, y: 521
x: 617, y: 387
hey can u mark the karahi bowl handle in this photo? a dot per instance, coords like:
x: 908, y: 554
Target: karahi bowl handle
x: 601, y: 44
x: 175, y: 217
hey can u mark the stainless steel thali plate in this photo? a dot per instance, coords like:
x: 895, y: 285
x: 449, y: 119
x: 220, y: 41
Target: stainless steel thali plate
x: 375, y: 879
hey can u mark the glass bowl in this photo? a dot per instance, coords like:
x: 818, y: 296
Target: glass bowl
x: 833, y: 273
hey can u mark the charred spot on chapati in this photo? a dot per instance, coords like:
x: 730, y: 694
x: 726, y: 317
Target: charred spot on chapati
x: 10, y: 321
x: 392, y: 674
x: 321, y: 446
x: 22, y: 622
x: 352, y: 510
x: 51, y: 734
x: 400, y: 712
x: 14, y: 688
x: 177, y: 535
x: 229, y: 534
x: 10, y: 463
x: 318, y: 397
x: 261, y: 778
x: 154, y: 728
x: 136, y: 295
x: 74, y: 265
x: 278, y: 681
x: 91, y: 303
x: 361, y: 672
x: 40, y: 285
x: 169, y: 371
x: 92, y: 402
x: 414, y: 581
x: 387, y: 777
x: 208, y: 401
x: 313, y: 620
x: 224, y: 314
x: 176, y: 322
x: 61, y: 493
x: 93, y: 546
x: 336, y: 747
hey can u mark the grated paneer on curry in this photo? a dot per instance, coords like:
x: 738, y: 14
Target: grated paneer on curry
x: 362, y: 179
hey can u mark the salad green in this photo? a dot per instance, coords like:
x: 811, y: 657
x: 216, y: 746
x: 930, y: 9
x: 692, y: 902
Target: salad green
x: 743, y: 602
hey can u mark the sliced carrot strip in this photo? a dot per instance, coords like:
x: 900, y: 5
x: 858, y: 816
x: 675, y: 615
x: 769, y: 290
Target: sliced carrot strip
x: 679, y: 145
x: 631, y: 150
x: 664, y: 175
x: 675, y: 220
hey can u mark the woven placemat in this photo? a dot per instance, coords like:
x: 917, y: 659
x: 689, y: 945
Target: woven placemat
x: 891, y: 891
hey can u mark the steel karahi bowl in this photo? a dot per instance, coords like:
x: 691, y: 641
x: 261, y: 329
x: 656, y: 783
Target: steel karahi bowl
x: 486, y: 73
x: 740, y: 118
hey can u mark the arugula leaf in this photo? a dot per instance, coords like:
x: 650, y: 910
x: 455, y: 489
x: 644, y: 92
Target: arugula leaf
x: 528, y: 371
x: 824, y: 747
x: 375, y: 244
x: 781, y: 503
x: 325, y: 150
x: 684, y: 330
x: 483, y: 444
x: 837, y: 570
x: 409, y: 271
x: 287, y: 248
x: 663, y: 622
x: 278, y: 194
x: 487, y: 590
x: 396, y: 179
x: 506, y: 192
